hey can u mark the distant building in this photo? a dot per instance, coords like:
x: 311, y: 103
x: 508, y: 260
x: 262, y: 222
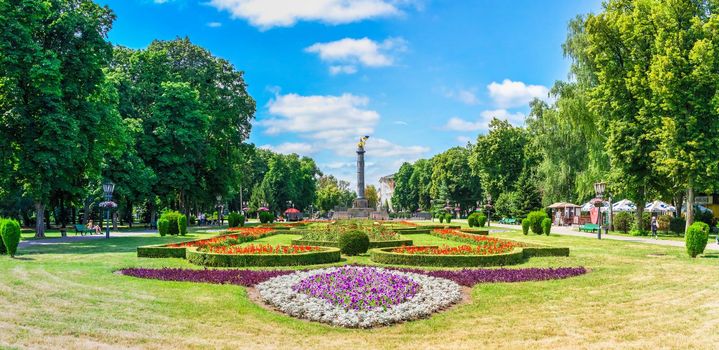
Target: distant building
x: 386, y: 190
x: 710, y: 201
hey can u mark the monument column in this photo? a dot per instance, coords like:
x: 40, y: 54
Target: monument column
x: 360, y: 173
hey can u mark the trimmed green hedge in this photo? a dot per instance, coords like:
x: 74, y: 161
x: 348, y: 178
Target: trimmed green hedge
x: 539, y: 251
x: 160, y: 251
x: 372, y: 244
x: 385, y: 256
x: 475, y: 231
x: 326, y: 256
x: 435, y: 226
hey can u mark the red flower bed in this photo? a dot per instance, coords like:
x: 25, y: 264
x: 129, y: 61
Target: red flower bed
x: 251, y: 231
x: 204, y: 242
x: 258, y: 249
x: 502, y: 245
x: 461, y: 250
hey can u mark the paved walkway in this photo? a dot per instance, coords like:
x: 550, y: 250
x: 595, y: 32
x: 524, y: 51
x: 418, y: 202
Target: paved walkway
x: 573, y: 231
x: 72, y: 238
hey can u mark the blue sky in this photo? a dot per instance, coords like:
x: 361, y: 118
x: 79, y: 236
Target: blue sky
x: 418, y: 76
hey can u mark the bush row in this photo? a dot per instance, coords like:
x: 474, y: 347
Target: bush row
x: 328, y: 255
x: 475, y: 231
x: 476, y: 220
x: 386, y: 256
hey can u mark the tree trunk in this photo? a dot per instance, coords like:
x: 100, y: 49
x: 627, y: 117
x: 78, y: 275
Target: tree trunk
x: 40, y: 220
x: 690, y: 206
x: 86, y: 212
x: 679, y: 203
x: 640, y: 202
x: 153, y: 219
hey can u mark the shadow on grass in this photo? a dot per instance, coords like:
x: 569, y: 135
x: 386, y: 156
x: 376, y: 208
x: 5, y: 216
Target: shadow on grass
x: 99, y: 245
x: 711, y: 256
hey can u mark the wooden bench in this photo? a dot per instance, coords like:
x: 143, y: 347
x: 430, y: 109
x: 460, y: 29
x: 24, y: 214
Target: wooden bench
x: 81, y: 229
x: 508, y: 221
x: 589, y: 228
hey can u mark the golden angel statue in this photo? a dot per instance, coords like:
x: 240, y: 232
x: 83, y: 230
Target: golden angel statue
x: 362, y: 142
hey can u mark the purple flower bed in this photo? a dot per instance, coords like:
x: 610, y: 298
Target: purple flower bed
x: 465, y: 277
x: 245, y: 278
x: 359, y: 288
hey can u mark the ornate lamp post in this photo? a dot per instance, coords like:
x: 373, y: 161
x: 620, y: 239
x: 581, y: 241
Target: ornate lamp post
x: 599, y: 188
x: 219, y: 207
x: 108, y: 187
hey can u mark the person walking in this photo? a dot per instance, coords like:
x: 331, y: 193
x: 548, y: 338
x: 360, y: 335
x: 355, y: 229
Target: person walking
x: 654, y: 227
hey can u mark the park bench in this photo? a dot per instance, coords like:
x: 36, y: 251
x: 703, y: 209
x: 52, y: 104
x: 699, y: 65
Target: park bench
x: 509, y: 221
x: 588, y: 228
x: 81, y: 229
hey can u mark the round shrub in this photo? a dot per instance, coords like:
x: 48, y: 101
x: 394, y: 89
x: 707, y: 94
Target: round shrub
x: 266, y: 217
x: 354, y: 243
x: 482, y: 220
x: 696, y: 238
x: 546, y: 226
x: 182, y: 224
x: 173, y: 227
x: 235, y: 220
x: 472, y: 220
x: 448, y: 218
x: 677, y: 225
x: 525, y: 226
x: 163, y: 226
x: 535, y: 221
x: 623, y: 221
x: 10, y: 236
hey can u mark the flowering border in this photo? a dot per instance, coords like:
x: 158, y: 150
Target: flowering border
x: 434, y: 295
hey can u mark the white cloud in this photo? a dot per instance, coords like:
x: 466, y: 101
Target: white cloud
x: 160, y: 1
x: 466, y: 96
x: 464, y: 139
x: 347, y: 69
x: 458, y: 124
x: 291, y: 147
x: 332, y: 123
x: 365, y: 51
x: 322, y: 117
x: 266, y: 14
x: 510, y: 94
x: 214, y: 24
x: 400, y: 122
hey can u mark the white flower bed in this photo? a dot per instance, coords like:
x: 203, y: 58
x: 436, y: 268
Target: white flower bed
x: 435, y: 294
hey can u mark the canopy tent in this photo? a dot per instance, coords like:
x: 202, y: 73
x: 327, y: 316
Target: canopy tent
x: 293, y: 214
x: 589, y: 205
x: 624, y: 205
x: 659, y: 207
x: 263, y: 209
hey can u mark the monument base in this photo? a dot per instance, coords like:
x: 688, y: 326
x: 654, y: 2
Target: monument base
x: 360, y: 203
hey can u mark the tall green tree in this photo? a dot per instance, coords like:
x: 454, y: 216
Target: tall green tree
x: 498, y: 157
x: 405, y: 196
x: 452, y: 178
x: 52, y: 57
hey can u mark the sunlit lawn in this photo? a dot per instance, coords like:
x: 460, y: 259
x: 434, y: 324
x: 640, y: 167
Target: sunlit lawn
x: 636, y: 295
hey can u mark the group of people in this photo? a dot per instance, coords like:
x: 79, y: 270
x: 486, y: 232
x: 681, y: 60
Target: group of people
x: 91, y: 225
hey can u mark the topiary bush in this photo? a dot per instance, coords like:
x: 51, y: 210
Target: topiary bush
x: 482, y: 220
x: 182, y: 224
x: 525, y: 226
x: 623, y: 221
x: 163, y: 226
x: 448, y: 218
x: 354, y: 243
x: 235, y: 220
x: 677, y: 225
x: 472, y: 220
x: 10, y: 235
x: 266, y: 217
x: 535, y: 221
x: 546, y: 226
x: 696, y: 238
x: 3, y: 250
x: 173, y: 226
x: 441, y: 218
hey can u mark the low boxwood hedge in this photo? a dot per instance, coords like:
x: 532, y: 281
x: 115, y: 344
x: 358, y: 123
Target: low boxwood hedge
x: 440, y: 226
x: 372, y: 244
x: 538, y: 251
x: 160, y: 251
x: 326, y: 256
x: 475, y: 231
x: 386, y: 256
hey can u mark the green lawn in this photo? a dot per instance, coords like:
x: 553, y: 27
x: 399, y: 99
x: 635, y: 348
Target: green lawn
x: 637, y: 296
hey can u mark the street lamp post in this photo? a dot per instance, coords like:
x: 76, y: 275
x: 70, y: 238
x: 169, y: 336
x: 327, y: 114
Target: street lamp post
x: 219, y: 207
x: 599, y: 188
x: 489, y: 209
x: 108, y: 187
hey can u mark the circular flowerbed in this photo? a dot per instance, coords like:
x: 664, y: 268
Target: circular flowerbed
x: 459, y: 250
x: 261, y: 255
x: 354, y: 296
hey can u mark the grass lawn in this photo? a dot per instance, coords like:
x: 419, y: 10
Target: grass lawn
x: 636, y: 296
